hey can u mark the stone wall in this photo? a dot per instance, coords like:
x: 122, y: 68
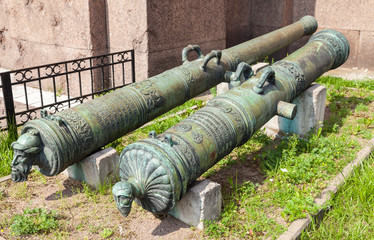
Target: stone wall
x: 34, y: 32
x: 128, y: 29
x: 38, y: 32
x: 173, y: 25
x: 353, y: 18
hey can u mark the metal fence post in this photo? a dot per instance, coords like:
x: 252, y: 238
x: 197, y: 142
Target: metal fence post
x: 133, y: 65
x: 9, y: 104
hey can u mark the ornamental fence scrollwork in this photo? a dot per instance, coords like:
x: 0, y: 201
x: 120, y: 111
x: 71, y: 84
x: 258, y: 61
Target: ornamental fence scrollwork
x: 24, y: 93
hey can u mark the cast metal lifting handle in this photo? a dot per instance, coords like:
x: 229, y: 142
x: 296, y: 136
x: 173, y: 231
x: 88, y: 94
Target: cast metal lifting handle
x: 268, y: 74
x: 191, y: 48
x: 213, y: 54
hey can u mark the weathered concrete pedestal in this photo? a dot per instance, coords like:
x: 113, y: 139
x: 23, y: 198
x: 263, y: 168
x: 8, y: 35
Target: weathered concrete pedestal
x: 202, y: 201
x: 97, y: 168
x: 310, y: 114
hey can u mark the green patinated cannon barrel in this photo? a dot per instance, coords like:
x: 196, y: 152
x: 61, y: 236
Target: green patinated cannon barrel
x: 157, y: 171
x: 55, y: 142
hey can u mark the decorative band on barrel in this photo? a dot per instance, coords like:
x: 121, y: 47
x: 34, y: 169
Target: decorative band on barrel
x: 338, y: 41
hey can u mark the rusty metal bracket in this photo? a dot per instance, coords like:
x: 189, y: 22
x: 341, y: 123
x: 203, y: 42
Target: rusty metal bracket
x: 191, y: 48
x: 213, y: 54
x: 268, y: 75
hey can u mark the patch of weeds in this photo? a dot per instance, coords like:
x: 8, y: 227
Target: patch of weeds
x: 37, y: 220
x: 240, y: 217
x: 213, y: 91
x: 361, y: 108
x: 267, y: 60
x: 2, y: 196
x: 79, y: 226
x: 367, y: 135
x: 339, y: 82
x: 6, y: 151
x: 94, y: 229
x: 89, y: 192
x: 105, y: 188
x: 352, y: 214
x: 20, y: 190
x: 227, y: 161
x: 106, y: 233
x: 355, y: 129
x: 297, y: 170
x: 35, y: 175
x: 297, y: 207
x: 366, y: 121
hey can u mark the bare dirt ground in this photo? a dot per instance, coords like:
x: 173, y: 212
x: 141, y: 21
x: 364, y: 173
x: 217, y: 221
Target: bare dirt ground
x: 84, y: 215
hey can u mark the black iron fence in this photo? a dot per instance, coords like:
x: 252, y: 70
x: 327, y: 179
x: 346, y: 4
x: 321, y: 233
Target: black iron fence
x: 55, y: 87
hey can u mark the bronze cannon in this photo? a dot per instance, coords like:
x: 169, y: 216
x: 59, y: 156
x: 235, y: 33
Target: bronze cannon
x: 157, y: 171
x: 55, y: 142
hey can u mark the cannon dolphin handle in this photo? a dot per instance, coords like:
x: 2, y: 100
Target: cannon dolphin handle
x: 67, y: 137
x: 156, y: 171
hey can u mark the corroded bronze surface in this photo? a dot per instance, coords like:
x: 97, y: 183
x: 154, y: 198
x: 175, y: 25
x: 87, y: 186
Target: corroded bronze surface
x: 157, y: 171
x: 69, y: 136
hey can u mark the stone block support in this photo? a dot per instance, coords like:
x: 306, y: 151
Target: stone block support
x: 310, y: 113
x: 97, y: 168
x: 202, y: 201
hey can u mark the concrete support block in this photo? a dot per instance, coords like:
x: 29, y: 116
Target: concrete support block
x: 310, y: 113
x: 202, y: 201
x: 97, y: 168
x: 222, y: 88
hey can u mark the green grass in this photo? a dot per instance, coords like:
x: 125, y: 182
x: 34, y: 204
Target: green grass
x: 37, y: 220
x: 296, y: 170
x: 352, y: 214
x: 339, y: 82
x: 6, y: 153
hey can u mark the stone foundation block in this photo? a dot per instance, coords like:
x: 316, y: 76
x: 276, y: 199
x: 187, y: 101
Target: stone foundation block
x: 97, y: 168
x: 202, y: 201
x: 310, y: 113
